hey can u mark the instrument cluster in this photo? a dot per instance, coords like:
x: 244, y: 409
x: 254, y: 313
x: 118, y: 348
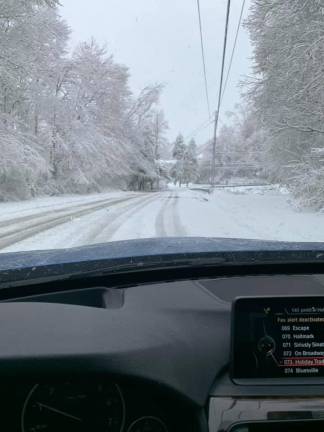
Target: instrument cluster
x: 97, y: 405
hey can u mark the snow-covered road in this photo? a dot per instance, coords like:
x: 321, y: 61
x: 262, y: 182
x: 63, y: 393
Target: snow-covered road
x: 244, y: 212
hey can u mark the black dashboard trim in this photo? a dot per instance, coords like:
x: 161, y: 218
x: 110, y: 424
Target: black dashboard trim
x: 224, y: 386
x: 131, y: 278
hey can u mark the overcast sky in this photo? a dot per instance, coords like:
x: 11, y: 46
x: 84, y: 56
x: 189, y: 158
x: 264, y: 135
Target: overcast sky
x: 159, y: 41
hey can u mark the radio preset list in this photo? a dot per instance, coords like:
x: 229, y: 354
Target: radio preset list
x: 278, y: 337
x: 301, y: 345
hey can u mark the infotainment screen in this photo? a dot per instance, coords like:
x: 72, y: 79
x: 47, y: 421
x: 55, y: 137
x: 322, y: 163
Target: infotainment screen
x: 276, y: 338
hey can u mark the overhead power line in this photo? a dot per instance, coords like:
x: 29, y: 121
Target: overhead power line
x: 203, y: 55
x: 208, y: 122
x: 234, y: 47
x: 199, y: 128
x: 213, y: 174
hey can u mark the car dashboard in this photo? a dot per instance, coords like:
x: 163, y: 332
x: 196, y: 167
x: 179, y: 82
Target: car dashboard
x: 240, y: 350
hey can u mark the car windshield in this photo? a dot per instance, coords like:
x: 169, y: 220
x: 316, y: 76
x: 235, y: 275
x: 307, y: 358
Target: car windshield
x: 123, y: 119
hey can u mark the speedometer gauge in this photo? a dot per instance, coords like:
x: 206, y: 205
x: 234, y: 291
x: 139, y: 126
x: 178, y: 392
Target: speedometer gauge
x: 148, y: 424
x: 74, y: 407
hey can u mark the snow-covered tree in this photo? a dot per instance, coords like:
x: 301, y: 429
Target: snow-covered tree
x: 178, y: 153
x: 142, y: 116
x: 190, y: 165
x: 241, y: 150
x: 179, y: 148
x: 69, y: 123
x: 287, y: 91
x: 159, y: 129
x: 32, y: 40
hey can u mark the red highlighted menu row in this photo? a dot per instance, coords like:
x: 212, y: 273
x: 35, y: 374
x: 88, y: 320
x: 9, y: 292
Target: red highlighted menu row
x: 302, y: 361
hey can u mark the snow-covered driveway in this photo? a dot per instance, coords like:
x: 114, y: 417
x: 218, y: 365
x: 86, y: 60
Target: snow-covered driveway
x: 245, y: 212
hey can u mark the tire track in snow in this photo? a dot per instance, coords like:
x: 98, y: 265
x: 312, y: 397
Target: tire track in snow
x: 123, y: 217
x: 23, y: 232
x: 160, y: 226
x: 55, y: 204
x: 41, y: 214
x: 168, y: 222
x: 177, y: 225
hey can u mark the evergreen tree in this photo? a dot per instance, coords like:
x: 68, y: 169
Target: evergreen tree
x: 190, y: 169
x: 178, y: 153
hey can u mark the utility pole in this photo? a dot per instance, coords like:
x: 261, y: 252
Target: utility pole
x: 213, y: 170
x: 213, y: 173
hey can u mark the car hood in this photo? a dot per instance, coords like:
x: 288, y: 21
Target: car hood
x: 151, y: 253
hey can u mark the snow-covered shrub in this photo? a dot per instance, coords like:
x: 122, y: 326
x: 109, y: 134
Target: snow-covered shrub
x: 307, y: 184
x: 22, y: 167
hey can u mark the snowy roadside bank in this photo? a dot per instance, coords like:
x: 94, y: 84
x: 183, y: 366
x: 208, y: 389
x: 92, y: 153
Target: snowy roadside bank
x: 252, y: 212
